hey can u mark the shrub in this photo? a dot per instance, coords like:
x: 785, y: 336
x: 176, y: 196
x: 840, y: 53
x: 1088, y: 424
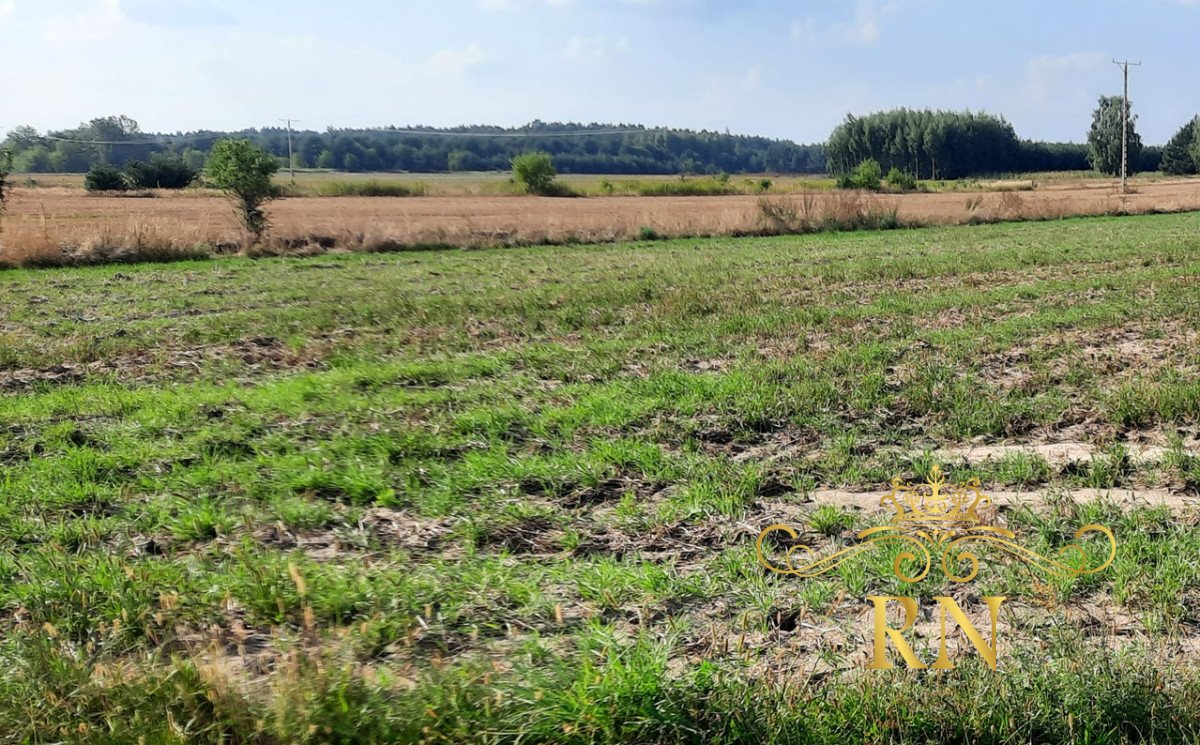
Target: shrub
x: 867, y: 176
x: 898, y: 180
x: 647, y: 233
x: 162, y: 172
x: 535, y: 171
x: 764, y: 185
x: 243, y: 171
x: 103, y: 177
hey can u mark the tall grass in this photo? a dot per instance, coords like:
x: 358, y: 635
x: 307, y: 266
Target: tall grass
x: 686, y: 188
x: 372, y: 188
x: 840, y: 211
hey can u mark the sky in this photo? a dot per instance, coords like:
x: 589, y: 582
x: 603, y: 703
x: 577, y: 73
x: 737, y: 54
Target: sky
x: 766, y: 67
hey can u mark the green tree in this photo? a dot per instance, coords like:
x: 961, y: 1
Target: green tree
x: 1104, y: 138
x: 243, y: 171
x: 34, y: 160
x: 110, y: 129
x: 535, y: 171
x: 194, y: 159
x: 1177, y: 157
x: 161, y: 172
x: 103, y: 177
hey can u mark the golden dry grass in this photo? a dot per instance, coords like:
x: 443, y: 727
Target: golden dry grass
x: 63, y: 224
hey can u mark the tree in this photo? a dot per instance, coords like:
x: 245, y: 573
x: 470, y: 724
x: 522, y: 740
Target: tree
x: 1104, y: 138
x: 162, y: 172
x: 194, y: 159
x: 953, y: 144
x: 103, y: 177
x: 110, y: 129
x: 592, y: 148
x: 243, y: 171
x: 535, y: 171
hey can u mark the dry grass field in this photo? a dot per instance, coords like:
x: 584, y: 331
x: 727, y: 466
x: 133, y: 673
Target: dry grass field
x: 57, y: 222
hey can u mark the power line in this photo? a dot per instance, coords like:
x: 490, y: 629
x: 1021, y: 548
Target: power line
x: 1125, y: 65
x: 161, y: 141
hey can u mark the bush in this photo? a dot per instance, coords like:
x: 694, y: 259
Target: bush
x: 162, y: 172
x: 243, y: 171
x: 898, y: 180
x: 535, y: 171
x: 867, y: 176
x: 103, y: 177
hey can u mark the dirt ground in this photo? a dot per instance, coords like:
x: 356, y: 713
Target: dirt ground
x: 59, y: 216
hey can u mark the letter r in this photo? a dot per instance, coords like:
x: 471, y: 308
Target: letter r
x: 883, y: 632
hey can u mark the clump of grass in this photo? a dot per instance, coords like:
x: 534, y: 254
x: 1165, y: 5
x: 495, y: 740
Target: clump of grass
x: 647, y: 233
x: 707, y: 187
x: 831, y: 521
x: 843, y: 211
x: 371, y: 188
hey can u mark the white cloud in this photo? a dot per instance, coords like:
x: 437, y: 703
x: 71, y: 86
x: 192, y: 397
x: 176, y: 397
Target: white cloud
x: 868, y: 17
x: 454, y: 61
x: 753, y: 80
x: 593, y: 48
x: 864, y: 29
x: 1052, y: 75
x: 102, y: 20
x: 805, y: 31
x: 510, y: 4
x: 7, y: 7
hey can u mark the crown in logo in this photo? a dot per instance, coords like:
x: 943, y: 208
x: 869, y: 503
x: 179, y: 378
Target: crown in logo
x: 936, y: 503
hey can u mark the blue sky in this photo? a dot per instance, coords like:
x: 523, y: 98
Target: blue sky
x: 784, y: 69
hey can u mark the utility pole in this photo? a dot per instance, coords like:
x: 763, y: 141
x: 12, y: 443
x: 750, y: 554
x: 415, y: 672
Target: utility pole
x: 1125, y: 65
x: 291, y: 161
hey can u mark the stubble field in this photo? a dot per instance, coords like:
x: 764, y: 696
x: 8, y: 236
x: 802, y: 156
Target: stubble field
x: 513, y: 495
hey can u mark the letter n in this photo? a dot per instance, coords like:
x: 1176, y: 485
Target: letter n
x: 883, y: 632
x: 949, y: 607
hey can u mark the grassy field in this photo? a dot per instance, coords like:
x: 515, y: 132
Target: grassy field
x: 512, y: 495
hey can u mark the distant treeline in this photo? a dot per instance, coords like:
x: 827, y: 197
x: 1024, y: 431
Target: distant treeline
x: 951, y: 144
x: 593, y: 148
x: 925, y: 144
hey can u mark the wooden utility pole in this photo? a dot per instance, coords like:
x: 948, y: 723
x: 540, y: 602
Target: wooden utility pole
x: 291, y: 160
x: 1125, y: 65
